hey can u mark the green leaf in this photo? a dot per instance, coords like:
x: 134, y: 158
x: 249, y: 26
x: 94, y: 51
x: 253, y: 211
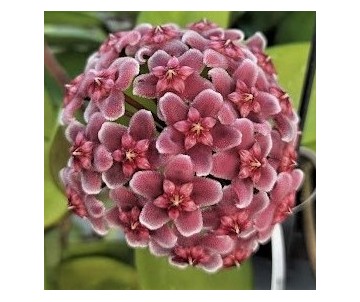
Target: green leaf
x: 157, y: 273
x: 291, y: 63
x: 96, y: 273
x: 55, y: 203
x: 71, y: 18
x: 52, y: 257
x: 183, y: 18
x: 296, y: 27
x: 67, y: 34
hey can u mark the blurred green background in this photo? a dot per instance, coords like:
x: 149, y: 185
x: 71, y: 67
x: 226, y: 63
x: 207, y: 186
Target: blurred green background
x: 77, y: 258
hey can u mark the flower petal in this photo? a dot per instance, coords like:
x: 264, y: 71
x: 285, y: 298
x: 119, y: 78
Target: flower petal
x: 91, y: 182
x: 222, y: 81
x: 208, y: 103
x: 297, y: 178
x: 257, y: 41
x: 142, y: 125
x: 123, y: 197
x: 102, y: 159
x: 225, y: 137
x: 175, y: 48
x: 145, y: 85
x: 227, y: 114
x: 153, y: 217
x: 179, y: 169
x: 113, y: 106
x: 286, y: 127
x: 244, y: 191
x: 192, y: 58
x: 269, y: 104
x: 73, y: 129
x: 114, y: 177
x: 195, y: 40
x: 219, y: 244
x: 158, y: 250
x: 206, y: 191
x: 214, y: 264
x: 189, y: 223
x: 194, y: 84
x: 110, y: 135
x: 170, y: 141
x: 165, y: 237
x: 246, y: 127
x: 94, y: 207
x: 147, y: 184
x: 201, y: 157
x: 93, y: 127
x: 159, y: 58
x: 172, y: 108
x: 259, y: 202
x: 127, y: 68
x: 214, y: 59
x: 247, y: 72
x: 226, y: 164
x: 99, y: 225
x: 267, y: 179
x: 112, y: 217
x: 135, y: 240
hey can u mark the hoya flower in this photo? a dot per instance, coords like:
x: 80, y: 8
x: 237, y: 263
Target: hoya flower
x: 184, y: 140
x: 176, y: 196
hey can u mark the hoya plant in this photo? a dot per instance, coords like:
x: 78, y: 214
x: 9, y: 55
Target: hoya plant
x: 206, y: 164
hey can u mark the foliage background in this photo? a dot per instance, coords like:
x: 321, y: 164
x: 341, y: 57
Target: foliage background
x: 75, y: 257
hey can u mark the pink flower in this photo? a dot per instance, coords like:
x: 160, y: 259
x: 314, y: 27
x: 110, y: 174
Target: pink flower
x: 195, y: 130
x: 170, y: 74
x: 81, y: 204
x: 205, y: 175
x: 125, y: 214
x: 177, y: 195
x: 132, y: 149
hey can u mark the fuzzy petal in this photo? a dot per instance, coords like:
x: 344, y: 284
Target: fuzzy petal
x: 165, y: 237
x: 214, y: 264
x: 282, y: 186
x: 192, y: 58
x: 227, y: 114
x: 247, y: 72
x: 114, y: 177
x: 195, y: 40
x: 158, y: 250
x: 112, y: 217
x: 201, y: 157
x: 102, y: 159
x: 91, y: 182
x: 153, y: 217
x: 136, y: 241
x: 179, y: 169
x: 159, y: 58
x: 225, y: 137
x: 128, y: 68
x: 145, y: 85
x: 206, y: 191
x: 73, y: 129
x: 94, y: 207
x: 297, y: 178
x: 208, y: 103
x: 194, y: 84
x: 219, y: 244
x: 244, y: 191
x: 113, y: 106
x: 246, y: 127
x: 110, y: 135
x: 226, y: 164
x: 147, y: 184
x: 93, y: 127
x: 267, y: 179
x: 259, y: 202
x: 175, y: 48
x: 142, y: 125
x: 189, y: 223
x: 170, y: 141
x: 222, y: 81
x: 172, y: 108
x: 123, y: 197
x: 214, y: 59
x: 269, y: 103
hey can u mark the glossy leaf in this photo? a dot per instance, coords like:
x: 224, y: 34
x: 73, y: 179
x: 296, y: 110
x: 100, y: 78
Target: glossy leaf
x: 71, y: 18
x: 291, y: 63
x: 96, y: 273
x: 67, y: 34
x: 55, y: 203
x: 157, y: 273
x: 52, y: 257
x: 183, y: 18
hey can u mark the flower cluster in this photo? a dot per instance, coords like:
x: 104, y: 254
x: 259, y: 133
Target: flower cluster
x: 189, y: 135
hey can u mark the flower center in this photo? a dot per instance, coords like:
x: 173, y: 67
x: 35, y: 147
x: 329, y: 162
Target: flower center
x: 130, y: 155
x: 197, y: 128
x: 170, y: 74
x: 255, y: 164
x: 247, y: 97
x: 158, y: 29
x: 176, y: 199
x: 98, y: 80
x: 134, y: 225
